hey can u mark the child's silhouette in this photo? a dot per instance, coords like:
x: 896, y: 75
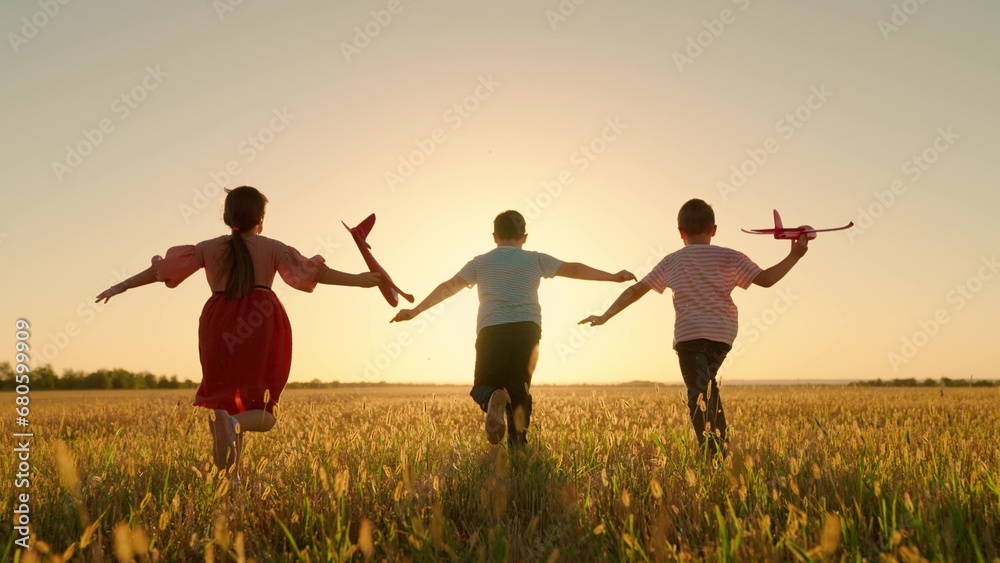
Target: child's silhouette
x: 702, y: 277
x: 244, y: 337
x: 509, y: 324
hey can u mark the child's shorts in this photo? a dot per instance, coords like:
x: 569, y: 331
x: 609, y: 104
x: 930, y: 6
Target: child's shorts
x: 505, y: 359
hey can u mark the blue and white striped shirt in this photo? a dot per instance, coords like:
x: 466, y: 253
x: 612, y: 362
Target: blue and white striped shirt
x: 508, y: 279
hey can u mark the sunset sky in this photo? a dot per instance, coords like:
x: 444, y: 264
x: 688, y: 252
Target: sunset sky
x: 596, y: 120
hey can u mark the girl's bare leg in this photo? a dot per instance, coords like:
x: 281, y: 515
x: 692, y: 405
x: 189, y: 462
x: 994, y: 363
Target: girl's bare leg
x: 217, y: 455
x: 225, y: 438
x: 255, y: 421
x: 228, y: 439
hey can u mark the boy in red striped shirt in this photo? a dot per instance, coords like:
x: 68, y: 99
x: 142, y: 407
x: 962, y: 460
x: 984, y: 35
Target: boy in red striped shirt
x: 702, y: 277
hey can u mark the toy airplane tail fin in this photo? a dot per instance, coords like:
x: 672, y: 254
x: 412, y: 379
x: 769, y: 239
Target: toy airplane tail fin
x: 365, y: 227
x: 777, y: 220
x: 362, y: 229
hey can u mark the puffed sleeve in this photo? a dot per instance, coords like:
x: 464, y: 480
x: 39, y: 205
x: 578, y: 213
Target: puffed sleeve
x: 179, y: 263
x: 298, y: 271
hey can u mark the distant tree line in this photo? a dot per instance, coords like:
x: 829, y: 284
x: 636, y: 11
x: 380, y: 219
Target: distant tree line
x: 943, y: 382
x: 43, y: 378
x: 314, y: 384
x: 317, y: 384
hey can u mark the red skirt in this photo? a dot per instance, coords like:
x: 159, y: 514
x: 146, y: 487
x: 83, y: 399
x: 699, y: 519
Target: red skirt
x: 246, y: 352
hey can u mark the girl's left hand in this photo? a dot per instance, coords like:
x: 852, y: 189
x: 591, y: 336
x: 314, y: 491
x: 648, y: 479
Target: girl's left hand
x: 369, y: 279
x: 110, y: 292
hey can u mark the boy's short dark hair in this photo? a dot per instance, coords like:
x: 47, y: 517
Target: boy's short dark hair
x: 509, y: 225
x: 696, y: 217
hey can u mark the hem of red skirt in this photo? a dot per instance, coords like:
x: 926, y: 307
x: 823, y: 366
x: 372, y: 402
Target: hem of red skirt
x: 214, y: 405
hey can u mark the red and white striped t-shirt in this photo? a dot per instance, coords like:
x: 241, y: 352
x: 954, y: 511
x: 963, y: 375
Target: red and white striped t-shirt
x: 702, y: 277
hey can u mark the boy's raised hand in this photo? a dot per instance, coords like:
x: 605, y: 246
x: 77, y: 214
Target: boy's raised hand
x: 624, y: 276
x: 800, y: 245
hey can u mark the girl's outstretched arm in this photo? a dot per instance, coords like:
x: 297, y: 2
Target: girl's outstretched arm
x: 440, y: 293
x: 144, y: 277
x: 628, y: 297
x: 364, y: 279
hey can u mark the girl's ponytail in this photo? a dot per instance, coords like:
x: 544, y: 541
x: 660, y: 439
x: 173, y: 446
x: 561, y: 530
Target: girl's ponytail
x: 241, y: 278
x: 244, y: 211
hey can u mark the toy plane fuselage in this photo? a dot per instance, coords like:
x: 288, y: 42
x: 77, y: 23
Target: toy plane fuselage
x: 388, y: 289
x: 790, y: 233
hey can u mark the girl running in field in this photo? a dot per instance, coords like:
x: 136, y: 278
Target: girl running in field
x: 244, y: 337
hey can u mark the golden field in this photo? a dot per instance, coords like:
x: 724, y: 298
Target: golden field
x: 610, y: 473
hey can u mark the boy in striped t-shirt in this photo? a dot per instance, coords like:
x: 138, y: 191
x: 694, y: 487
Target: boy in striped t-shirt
x: 702, y: 277
x: 509, y: 324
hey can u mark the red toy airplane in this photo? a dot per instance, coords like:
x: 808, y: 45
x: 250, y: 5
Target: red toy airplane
x: 788, y: 233
x: 388, y: 289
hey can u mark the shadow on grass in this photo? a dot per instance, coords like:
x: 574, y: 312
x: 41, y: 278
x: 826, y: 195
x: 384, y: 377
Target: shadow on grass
x: 511, y: 504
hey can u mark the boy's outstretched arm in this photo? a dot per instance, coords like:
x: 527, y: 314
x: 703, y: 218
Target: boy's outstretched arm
x: 628, y: 297
x: 144, y: 277
x: 578, y: 271
x: 772, y: 275
x: 440, y: 293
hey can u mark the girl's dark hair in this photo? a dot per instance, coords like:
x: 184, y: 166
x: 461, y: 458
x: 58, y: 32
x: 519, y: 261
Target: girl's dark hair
x: 509, y: 225
x: 244, y: 210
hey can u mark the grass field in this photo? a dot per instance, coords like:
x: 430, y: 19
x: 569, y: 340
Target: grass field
x: 824, y: 473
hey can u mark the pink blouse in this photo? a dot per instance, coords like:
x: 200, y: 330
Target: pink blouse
x: 269, y: 256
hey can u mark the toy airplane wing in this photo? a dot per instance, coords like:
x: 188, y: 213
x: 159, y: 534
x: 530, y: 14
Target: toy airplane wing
x: 847, y: 226
x: 387, y: 287
x: 781, y: 232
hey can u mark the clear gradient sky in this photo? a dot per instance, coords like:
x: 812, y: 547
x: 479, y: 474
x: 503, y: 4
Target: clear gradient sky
x: 623, y: 109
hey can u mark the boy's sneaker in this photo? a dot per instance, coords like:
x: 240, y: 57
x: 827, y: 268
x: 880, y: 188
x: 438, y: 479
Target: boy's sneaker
x: 496, y: 416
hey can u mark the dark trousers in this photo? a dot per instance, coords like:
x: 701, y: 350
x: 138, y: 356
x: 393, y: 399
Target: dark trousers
x: 700, y: 360
x: 505, y: 359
